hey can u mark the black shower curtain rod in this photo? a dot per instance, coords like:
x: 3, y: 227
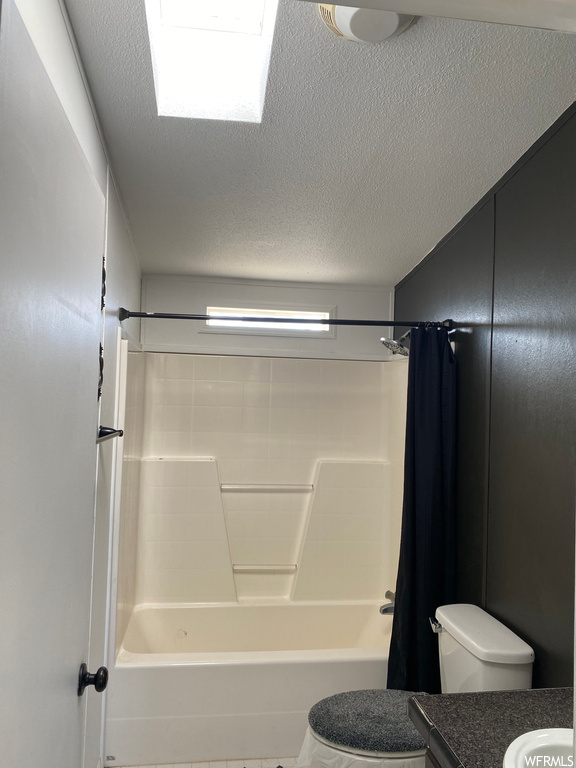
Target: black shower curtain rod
x: 125, y: 314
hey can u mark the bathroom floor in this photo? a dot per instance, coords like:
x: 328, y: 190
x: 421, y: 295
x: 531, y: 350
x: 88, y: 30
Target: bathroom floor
x: 269, y: 762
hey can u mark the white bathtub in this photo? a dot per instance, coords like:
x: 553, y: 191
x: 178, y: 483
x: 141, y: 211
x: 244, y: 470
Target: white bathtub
x: 224, y: 682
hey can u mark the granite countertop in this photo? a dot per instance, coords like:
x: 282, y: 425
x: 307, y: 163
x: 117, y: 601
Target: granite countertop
x: 473, y: 730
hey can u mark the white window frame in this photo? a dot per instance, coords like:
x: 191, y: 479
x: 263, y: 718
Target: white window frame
x: 280, y: 330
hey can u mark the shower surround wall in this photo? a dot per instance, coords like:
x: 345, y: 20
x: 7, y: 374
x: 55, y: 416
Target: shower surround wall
x: 127, y: 532
x: 310, y: 448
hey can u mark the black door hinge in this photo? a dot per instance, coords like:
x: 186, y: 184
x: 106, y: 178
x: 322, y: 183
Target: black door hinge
x: 101, y: 374
x: 103, y: 293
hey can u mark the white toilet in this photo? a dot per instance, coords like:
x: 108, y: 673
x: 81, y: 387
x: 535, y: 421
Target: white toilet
x: 371, y: 729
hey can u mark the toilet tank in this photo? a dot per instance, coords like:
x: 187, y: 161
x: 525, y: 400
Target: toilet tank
x: 478, y: 653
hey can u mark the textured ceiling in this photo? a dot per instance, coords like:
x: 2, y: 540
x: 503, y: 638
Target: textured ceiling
x: 366, y: 156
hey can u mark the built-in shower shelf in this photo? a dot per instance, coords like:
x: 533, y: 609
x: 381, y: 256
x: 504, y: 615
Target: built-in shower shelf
x: 266, y: 488
x: 289, y: 568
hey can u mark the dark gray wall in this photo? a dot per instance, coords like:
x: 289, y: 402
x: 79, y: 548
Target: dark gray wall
x: 457, y: 283
x: 507, y: 276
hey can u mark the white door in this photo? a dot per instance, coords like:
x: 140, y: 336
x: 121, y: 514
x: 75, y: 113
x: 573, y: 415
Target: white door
x: 52, y: 217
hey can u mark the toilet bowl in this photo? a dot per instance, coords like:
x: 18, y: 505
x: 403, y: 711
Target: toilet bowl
x: 371, y: 728
x: 362, y: 729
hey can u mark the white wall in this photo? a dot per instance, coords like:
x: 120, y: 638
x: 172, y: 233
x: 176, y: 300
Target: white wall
x: 188, y: 295
x: 47, y: 26
x: 56, y: 222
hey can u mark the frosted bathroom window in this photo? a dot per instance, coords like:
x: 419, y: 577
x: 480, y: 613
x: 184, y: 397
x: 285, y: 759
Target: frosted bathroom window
x: 232, y: 320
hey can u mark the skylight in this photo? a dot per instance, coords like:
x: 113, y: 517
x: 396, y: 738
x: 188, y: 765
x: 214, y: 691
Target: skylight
x: 244, y: 16
x: 210, y: 57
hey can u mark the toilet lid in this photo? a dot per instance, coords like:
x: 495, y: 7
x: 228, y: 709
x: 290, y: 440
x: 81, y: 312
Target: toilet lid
x: 374, y: 720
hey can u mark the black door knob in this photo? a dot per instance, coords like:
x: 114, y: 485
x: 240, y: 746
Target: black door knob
x: 99, y: 680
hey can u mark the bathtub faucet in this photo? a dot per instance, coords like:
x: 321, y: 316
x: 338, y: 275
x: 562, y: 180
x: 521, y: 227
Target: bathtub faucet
x: 388, y: 607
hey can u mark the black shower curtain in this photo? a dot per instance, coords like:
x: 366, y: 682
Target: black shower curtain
x: 427, y: 566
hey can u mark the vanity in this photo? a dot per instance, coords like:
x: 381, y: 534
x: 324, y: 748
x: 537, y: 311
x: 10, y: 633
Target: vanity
x: 474, y: 730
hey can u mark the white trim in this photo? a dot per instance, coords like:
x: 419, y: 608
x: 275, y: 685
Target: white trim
x: 113, y: 558
x: 299, y: 354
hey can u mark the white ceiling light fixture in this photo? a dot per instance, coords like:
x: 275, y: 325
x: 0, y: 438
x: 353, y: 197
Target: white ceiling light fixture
x: 364, y: 25
x: 210, y: 57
